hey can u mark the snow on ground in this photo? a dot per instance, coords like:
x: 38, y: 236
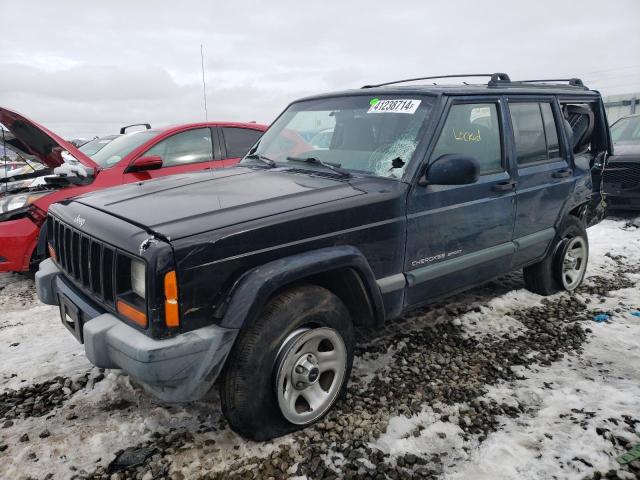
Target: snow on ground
x: 35, y: 347
x: 551, y: 440
x: 602, y: 383
x: 571, y: 409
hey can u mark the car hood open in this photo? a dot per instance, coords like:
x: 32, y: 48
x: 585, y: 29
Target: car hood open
x: 28, y: 137
x: 184, y: 205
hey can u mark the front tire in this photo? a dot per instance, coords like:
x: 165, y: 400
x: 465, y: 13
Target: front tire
x: 289, y: 367
x: 565, y: 265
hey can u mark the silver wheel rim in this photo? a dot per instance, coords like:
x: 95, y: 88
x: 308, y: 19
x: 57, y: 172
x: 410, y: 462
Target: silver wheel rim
x: 310, y: 370
x: 574, y: 263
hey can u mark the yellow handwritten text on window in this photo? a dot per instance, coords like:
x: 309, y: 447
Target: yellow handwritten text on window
x: 466, y: 136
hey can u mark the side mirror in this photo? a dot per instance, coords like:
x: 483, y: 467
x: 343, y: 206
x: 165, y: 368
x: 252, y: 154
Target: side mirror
x: 451, y: 169
x: 140, y: 164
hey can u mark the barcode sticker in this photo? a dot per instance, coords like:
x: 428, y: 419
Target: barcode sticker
x: 396, y: 105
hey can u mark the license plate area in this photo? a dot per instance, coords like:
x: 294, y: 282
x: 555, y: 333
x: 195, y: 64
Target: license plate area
x: 71, y: 317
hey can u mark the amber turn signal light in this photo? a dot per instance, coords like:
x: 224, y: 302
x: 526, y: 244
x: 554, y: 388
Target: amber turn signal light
x: 132, y: 313
x: 171, y: 311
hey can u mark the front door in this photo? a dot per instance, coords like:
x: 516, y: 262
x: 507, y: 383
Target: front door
x: 182, y: 152
x: 460, y: 235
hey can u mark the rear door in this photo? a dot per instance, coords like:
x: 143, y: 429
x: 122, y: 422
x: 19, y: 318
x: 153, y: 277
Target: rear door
x: 544, y: 173
x: 459, y: 235
x: 235, y: 142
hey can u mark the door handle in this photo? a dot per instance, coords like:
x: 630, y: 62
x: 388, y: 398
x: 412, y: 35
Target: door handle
x: 564, y: 173
x: 504, y: 186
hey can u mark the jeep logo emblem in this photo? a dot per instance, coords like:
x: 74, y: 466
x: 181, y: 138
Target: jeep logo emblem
x: 79, y: 221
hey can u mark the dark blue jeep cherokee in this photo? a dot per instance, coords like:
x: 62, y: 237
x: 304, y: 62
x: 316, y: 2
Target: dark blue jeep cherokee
x: 258, y: 273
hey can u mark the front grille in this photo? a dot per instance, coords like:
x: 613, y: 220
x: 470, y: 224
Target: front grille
x: 88, y: 261
x: 626, y: 174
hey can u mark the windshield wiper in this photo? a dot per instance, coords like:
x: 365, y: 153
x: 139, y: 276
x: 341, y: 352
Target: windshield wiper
x: 316, y: 161
x: 262, y: 158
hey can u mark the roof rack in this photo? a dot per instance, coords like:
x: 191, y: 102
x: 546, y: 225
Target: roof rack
x: 124, y: 129
x: 574, y: 82
x: 496, y: 79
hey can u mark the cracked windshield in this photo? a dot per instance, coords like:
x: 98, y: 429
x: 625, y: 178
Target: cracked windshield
x: 359, y: 134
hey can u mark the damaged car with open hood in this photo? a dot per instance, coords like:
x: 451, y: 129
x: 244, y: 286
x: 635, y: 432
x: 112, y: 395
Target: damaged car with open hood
x: 255, y: 276
x: 56, y: 170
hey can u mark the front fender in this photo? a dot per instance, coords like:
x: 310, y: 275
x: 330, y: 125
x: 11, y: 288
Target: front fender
x: 251, y: 292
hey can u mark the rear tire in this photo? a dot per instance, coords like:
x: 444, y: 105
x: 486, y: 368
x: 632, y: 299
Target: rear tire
x: 279, y: 357
x: 551, y: 274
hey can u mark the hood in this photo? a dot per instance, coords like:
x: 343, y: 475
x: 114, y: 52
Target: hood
x: 626, y: 148
x: 184, y: 205
x: 30, y: 138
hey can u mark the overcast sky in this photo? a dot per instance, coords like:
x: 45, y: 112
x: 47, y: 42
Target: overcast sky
x: 90, y: 67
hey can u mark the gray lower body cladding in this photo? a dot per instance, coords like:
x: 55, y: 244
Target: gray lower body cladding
x: 177, y: 369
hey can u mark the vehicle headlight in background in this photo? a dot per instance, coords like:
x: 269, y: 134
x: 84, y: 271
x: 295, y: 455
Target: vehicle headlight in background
x: 138, y: 278
x: 10, y: 203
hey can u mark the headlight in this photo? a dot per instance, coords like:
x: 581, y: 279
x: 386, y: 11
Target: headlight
x: 10, y: 203
x: 138, y: 278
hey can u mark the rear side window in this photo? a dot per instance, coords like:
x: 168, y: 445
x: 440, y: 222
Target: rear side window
x: 528, y: 132
x: 535, y: 132
x: 192, y: 146
x: 472, y: 129
x: 239, y: 140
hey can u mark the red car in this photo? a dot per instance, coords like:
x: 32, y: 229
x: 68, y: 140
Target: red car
x: 129, y: 158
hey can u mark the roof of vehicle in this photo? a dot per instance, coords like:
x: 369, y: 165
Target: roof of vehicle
x: 499, y: 83
x: 181, y: 126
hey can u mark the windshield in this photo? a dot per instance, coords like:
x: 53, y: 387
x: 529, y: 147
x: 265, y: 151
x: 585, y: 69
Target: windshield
x: 360, y: 133
x: 119, y: 148
x: 94, y: 146
x: 626, y: 130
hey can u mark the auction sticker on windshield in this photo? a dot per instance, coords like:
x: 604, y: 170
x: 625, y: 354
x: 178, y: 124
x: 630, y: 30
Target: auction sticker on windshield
x: 396, y: 105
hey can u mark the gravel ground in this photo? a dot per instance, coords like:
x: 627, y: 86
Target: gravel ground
x: 493, y: 383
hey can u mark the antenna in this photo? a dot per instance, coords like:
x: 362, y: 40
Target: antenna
x: 4, y: 150
x: 204, y: 86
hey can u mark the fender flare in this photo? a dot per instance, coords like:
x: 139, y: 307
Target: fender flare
x: 252, y: 290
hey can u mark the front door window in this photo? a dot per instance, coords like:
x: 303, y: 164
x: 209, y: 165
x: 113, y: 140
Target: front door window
x: 192, y: 146
x: 472, y: 129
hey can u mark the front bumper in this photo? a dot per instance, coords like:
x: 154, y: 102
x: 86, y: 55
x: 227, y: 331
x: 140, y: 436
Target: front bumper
x: 18, y: 239
x: 177, y: 369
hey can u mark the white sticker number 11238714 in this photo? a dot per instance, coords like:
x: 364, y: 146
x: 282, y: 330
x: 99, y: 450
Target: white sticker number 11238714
x: 396, y: 105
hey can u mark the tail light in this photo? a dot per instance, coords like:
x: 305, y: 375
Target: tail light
x: 36, y: 215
